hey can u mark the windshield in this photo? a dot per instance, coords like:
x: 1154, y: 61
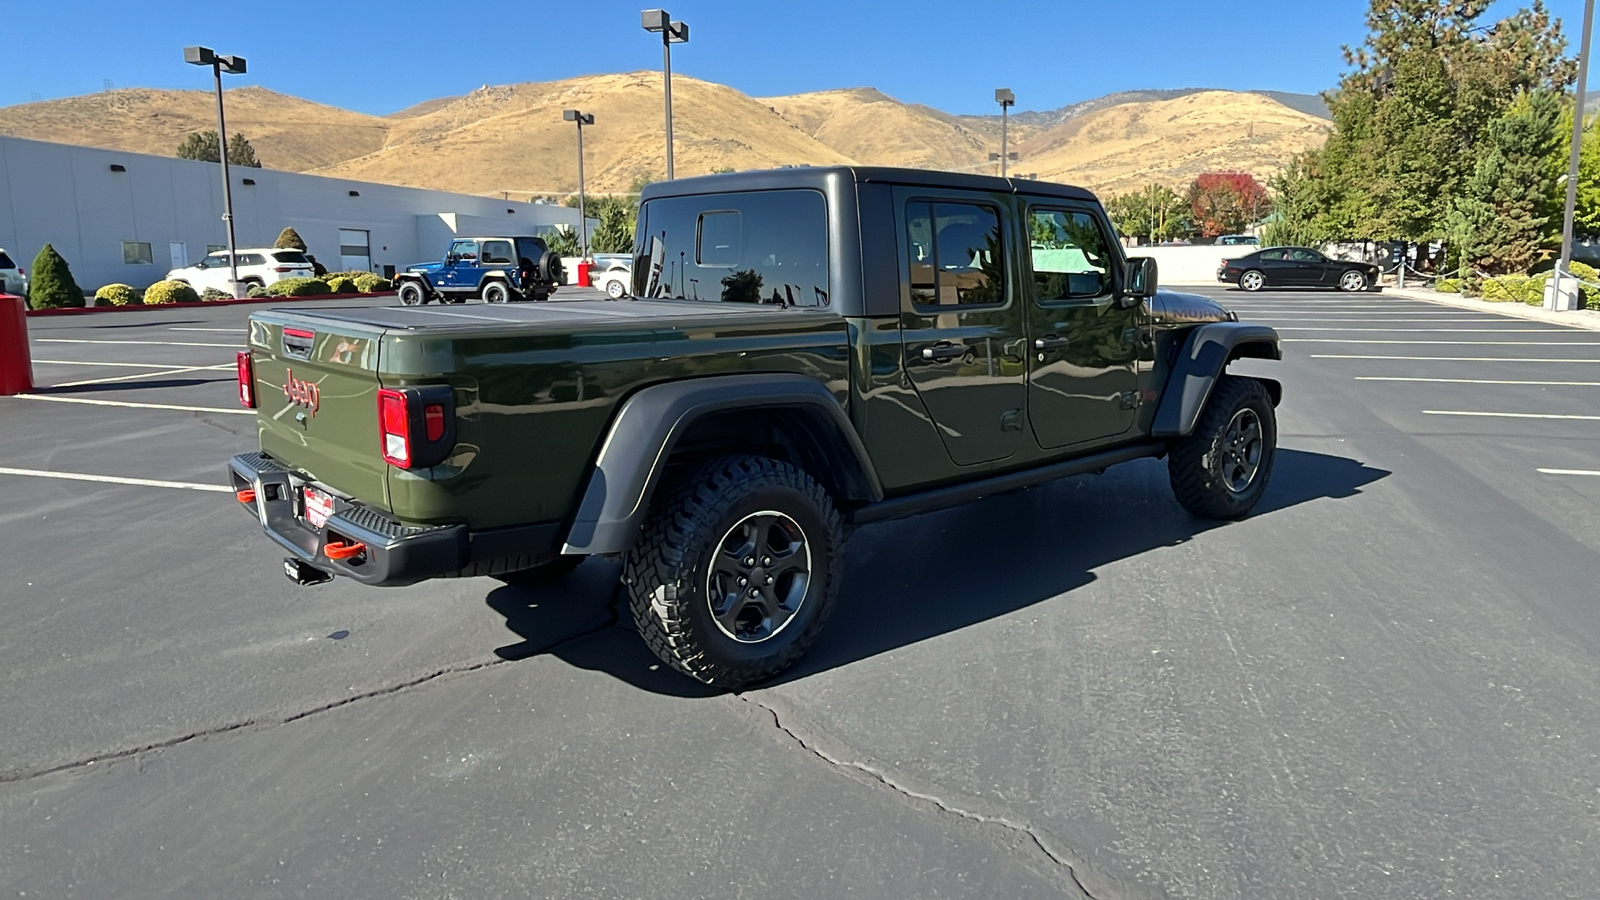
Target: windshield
x: 768, y: 247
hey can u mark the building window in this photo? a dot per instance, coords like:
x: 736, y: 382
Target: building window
x: 137, y: 253
x: 216, y: 248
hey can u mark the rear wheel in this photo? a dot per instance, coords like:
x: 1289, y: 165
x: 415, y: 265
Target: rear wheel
x: 1252, y: 281
x: 496, y: 292
x: 411, y: 294
x: 1221, y: 470
x: 736, y: 570
x: 1353, y: 281
x: 614, y: 289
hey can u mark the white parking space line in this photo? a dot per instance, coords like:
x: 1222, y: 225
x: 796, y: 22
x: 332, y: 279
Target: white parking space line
x: 1586, y: 472
x: 112, y: 479
x: 1457, y: 343
x: 1505, y: 415
x: 1428, y: 330
x: 130, y: 404
x: 1500, y: 359
x: 129, y: 343
x: 223, y: 330
x: 75, y: 362
x: 138, y: 375
x: 1477, y: 381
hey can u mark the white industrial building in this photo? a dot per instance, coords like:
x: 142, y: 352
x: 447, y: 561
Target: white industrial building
x: 129, y: 217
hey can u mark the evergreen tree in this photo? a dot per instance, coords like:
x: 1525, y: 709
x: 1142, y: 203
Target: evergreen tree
x: 289, y: 239
x: 202, y: 145
x: 51, y: 286
x: 1502, y: 222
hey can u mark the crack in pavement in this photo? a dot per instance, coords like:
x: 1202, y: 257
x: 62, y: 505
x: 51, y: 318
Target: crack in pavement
x: 884, y: 778
x: 19, y: 775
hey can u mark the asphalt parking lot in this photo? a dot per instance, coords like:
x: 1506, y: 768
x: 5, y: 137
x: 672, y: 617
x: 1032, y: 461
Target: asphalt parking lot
x: 1382, y: 684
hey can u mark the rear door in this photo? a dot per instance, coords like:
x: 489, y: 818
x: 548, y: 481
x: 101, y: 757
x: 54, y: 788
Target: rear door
x: 317, y: 399
x: 961, y: 332
x: 1274, y: 264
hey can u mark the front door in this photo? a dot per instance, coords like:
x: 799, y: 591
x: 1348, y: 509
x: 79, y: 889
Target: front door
x: 460, y: 270
x: 960, y: 329
x: 180, y: 254
x: 1083, y: 380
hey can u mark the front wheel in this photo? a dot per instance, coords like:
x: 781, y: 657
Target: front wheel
x: 1252, y: 281
x: 1353, y: 281
x: 411, y: 294
x: 736, y: 570
x: 1221, y: 470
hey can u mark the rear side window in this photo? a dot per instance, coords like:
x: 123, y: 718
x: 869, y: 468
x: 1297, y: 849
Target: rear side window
x: 759, y: 247
x: 497, y: 253
x: 955, y: 254
x: 5, y: 262
x: 1272, y: 254
x: 289, y: 256
x: 529, y: 250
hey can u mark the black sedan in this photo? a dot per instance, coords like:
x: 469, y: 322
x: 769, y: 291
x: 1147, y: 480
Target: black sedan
x: 1296, y: 267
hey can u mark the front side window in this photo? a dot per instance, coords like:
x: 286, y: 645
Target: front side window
x: 137, y: 253
x: 214, y: 262
x: 1071, y: 256
x: 955, y: 254
x: 768, y: 247
x: 464, y: 250
x: 498, y: 253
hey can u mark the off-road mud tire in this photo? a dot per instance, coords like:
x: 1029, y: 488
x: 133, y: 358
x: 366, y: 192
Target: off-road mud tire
x: 496, y: 292
x: 411, y: 293
x: 668, y: 570
x: 1198, y: 464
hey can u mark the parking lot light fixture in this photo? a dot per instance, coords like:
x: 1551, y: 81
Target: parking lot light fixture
x: 573, y: 115
x: 660, y: 22
x: 1006, y: 99
x: 233, y: 65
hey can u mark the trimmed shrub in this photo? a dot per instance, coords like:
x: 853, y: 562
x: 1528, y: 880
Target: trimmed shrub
x: 289, y: 239
x: 212, y: 295
x: 297, y: 287
x: 341, y: 284
x: 1533, y: 290
x: 1503, y: 289
x: 1448, y: 286
x: 371, y: 283
x: 256, y: 290
x: 51, y: 286
x: 169, y: 292
x: 117, y: 295
x: 1586, y: 272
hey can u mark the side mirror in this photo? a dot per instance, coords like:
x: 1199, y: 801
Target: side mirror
x: 451, y: 259
x: 1139, y: 278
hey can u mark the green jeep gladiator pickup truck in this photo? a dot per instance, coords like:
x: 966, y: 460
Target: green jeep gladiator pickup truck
x: 811, y: 349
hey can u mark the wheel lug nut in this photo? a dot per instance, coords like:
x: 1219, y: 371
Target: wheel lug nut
x: 766, y: 560
x: 750, y: 561
x: 769, y: 579
x: 754, y: 592
x: 743, y: 581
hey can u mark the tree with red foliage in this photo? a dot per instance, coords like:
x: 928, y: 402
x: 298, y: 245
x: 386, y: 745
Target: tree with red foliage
x: 1227, y: 202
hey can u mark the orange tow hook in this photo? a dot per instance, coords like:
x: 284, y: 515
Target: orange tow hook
x: 340, y: 550
x: 246, y: 496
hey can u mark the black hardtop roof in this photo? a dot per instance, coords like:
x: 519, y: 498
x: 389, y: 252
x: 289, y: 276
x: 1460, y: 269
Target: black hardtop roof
x: 817, y: 177
x: 498, y: 237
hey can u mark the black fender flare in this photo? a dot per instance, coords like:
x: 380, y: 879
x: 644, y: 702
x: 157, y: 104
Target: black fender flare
x: 1203, y: 358
x: 428, y: 290
x: 650, y: 423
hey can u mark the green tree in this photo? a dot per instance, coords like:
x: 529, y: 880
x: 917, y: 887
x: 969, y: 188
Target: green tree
x: 1503, y: 220
x: 52, y: 286
x: 289, y: 239
x: 202, y: 145
x: 563, y: 241
x: 618, y: 217
x: 1155, y: 212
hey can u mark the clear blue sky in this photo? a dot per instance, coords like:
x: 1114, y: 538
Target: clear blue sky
x: 379, y: 57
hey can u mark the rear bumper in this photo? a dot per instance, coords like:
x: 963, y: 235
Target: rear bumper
x: 393, y: 554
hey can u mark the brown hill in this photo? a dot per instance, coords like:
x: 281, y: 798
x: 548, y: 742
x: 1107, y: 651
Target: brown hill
x: 1170, y: 141
x: 514, y: 139
x: 287, y: 132
x: 874, y: 128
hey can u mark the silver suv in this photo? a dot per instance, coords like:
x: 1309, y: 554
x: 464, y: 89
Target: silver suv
x: 13, y: 278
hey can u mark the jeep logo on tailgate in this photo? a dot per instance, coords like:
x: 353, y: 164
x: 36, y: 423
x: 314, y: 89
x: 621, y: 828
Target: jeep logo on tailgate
x: 301, y: 393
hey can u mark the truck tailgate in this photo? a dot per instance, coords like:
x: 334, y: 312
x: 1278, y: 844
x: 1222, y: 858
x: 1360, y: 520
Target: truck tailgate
x: 317, y: 386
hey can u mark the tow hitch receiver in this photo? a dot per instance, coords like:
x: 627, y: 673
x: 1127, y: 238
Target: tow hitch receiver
x: 303, y: 573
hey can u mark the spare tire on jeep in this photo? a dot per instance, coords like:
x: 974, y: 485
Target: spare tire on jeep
x: 551, y: 271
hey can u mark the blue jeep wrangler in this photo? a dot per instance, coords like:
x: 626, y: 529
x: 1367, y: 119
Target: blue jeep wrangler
x: 498, y: 269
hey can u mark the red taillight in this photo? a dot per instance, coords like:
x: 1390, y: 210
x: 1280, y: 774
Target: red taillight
x: 283, y: 268
x: 247, y: 380
x: 433, y: 419
x: 394, y: 420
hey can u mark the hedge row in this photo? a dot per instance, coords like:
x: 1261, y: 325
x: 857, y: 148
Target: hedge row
x: 163, y: 292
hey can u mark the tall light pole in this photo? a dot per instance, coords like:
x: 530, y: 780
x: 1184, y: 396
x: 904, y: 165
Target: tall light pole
x: 1006, y: 99
x: 573, y: 115
x: 233, y: 65
x: 1560, y: 298
x: 657, y: 20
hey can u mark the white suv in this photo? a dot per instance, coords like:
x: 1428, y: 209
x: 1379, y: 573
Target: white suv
x: 261, y: 267
x: 13, y: 278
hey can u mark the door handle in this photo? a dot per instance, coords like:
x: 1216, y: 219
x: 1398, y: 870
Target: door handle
x: 1051, y: 342
x: 944, y: 351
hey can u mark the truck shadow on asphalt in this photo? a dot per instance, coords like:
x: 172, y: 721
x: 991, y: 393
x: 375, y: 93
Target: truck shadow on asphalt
x: 910, y: 580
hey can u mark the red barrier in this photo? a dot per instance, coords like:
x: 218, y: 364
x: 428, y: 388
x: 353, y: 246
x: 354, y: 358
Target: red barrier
x: 16, y: 365
x: 583, y: 273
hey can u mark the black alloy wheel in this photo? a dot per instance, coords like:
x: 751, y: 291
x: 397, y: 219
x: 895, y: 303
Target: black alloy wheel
x: 1221, y: 470
x: 411, y: 294
x: 496, y: 292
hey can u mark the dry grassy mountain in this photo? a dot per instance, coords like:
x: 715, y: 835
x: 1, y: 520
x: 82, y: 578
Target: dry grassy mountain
x: 287, y: 132
x: 513, y: 138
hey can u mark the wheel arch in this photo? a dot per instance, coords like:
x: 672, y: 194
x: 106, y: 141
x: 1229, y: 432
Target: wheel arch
x: 1205, y: 355
x: 417, y: 277
x: 784, y: 415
